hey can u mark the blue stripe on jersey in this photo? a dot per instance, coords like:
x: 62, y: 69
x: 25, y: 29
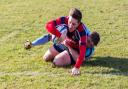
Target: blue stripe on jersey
x: 62, y: 20
x: 82, y: 33
x: 87, y: 30
x: 64, y: 27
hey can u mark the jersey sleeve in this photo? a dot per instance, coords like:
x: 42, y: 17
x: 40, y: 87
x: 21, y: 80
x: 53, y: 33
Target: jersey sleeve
x: 51, y: 25
x: 82, y: 47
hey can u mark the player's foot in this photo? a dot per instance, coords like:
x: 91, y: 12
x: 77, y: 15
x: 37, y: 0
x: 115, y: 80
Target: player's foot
x: 27, y: 44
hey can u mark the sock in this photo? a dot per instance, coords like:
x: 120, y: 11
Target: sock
x: 41, y: 40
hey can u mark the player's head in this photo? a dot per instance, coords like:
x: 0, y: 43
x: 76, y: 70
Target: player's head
x: 93, y: 39
x: 75, y: 17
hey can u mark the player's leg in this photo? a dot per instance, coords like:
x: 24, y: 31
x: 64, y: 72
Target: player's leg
x: 39, y: 41
x: 74, y: 53
x: 50, y: 54
x: 53, y: 51
x: 62, y: 59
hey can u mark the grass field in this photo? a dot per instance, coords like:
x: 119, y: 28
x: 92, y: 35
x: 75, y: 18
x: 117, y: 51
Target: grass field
x: 25, y: 19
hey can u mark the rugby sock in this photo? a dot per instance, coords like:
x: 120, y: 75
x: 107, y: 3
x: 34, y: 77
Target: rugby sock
x: 41, y: 40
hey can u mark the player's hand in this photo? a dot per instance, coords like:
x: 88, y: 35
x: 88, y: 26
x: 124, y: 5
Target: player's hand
x: 75, y: 71
x: 61, y: 39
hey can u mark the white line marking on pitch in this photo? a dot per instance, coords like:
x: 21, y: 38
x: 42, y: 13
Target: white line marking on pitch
x: 31, y: 73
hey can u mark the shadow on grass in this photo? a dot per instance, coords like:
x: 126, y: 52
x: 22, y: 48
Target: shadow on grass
x: 120, y: 65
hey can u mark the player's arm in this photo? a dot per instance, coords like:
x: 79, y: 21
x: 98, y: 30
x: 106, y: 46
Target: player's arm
x: 51, y: 26
x: 81, y: 56
x: 82, y: 49
x: 75, y: 70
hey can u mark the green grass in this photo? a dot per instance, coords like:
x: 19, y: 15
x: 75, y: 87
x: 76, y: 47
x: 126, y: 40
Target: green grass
x: 25, y: 69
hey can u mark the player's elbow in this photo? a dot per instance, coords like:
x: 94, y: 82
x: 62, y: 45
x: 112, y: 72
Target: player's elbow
x: 47, y: 26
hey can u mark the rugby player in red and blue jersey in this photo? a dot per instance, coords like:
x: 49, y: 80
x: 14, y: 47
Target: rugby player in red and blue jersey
x: 72, y: 49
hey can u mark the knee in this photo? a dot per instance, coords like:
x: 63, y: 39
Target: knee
x: 57, y: 61
x: 47, y: 56
x: 50, y: 54
x: 62, y: 59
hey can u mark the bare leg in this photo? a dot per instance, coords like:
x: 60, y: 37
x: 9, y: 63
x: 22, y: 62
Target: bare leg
x: 50, y: 54
x: 62, y: 59
x: 74, y: 53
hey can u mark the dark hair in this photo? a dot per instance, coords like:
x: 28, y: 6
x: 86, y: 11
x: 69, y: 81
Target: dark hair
x: 95, y: 37
x: 76, y: 14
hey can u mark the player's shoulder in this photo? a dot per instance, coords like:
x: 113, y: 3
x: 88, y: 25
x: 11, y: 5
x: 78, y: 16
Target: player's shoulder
x: 63, y: 19
x: 81, y: 27
x: 83, y: 30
